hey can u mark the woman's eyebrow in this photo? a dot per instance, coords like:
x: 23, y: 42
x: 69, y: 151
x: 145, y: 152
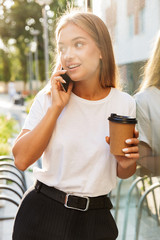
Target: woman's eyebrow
x: 73, y: 40
x: 77, y: 38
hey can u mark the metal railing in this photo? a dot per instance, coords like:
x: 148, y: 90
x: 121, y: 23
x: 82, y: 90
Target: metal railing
x: 12, y: 183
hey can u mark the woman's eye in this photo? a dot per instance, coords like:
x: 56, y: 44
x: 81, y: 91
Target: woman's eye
x: 62, y: 49
x: 79, y: 44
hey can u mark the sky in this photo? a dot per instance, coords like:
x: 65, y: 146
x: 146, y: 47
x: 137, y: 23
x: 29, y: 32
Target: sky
x: 1, y: 44
x: 7, y: 3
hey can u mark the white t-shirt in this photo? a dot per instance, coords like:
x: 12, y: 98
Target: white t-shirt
x: 77, y: 159
x: 148, y: 115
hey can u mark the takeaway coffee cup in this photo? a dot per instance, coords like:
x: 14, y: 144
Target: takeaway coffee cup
x: 121, y: 128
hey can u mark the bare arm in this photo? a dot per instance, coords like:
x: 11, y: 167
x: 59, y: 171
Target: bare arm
x: 144, y: 149
x: 30, y: 145
x: 148, y: 161
x: 127, y: 171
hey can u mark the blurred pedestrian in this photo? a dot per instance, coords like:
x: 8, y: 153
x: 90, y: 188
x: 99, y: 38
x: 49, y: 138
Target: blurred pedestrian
x: 70, y: 199
x: 148, y: 112
x: 11, y: 90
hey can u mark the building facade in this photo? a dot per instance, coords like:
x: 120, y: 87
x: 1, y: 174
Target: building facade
x: 133, y: 26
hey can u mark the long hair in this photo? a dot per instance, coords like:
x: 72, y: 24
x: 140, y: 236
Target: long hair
x: 98, y: 31
x: 151, y: 76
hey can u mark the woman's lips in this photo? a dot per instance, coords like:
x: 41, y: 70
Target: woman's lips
x: 73, y: 67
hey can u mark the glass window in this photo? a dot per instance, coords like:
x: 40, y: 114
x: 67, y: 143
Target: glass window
x: 141, y: 20
x: 131, y: 25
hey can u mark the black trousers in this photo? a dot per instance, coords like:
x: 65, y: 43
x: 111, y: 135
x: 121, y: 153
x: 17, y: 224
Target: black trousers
x: 42, y: 218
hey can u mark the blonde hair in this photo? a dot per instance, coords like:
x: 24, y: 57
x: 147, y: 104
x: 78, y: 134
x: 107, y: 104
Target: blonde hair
x: 151, y: 76
x: 98, y: 31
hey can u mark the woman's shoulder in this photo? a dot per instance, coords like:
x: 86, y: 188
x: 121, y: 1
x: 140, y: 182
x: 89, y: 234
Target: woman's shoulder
x: 144, y: 95
x: 42, y: 95
x: 123, y: 103
x: 122, y: 95
x: 42, y: 99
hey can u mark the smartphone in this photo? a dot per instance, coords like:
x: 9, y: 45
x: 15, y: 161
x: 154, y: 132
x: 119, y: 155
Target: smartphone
x: 67, y: 79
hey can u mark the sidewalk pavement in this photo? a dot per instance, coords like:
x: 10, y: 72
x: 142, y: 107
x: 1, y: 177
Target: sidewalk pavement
x: 7, y: 107
x: 149, y: 230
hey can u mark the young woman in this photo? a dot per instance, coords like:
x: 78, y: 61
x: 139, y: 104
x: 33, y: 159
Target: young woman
x: 69, y: 200
x: 148, y: 112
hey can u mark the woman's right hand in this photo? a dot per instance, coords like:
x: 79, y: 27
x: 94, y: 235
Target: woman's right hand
x: 59, y: 97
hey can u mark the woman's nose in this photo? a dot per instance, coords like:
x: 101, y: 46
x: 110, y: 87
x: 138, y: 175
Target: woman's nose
x: 69, y: 53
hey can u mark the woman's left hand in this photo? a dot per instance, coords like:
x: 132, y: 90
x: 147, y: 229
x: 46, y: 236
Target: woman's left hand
x: 131, y: 152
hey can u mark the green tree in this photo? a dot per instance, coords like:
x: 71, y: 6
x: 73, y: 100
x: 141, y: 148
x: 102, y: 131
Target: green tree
x: 17, y: 22
x: 6, y: 66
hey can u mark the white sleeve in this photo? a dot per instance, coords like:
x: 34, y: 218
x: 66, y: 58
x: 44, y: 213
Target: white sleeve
x: 133, y: 109
x: 144, y: 124
x: 35, y: 115
x: 127, y: 103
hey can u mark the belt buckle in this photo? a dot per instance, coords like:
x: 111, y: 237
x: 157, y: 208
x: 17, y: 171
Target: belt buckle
x: 66, y: 203
x: 38, y: 186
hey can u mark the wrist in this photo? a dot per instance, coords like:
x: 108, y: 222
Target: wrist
x: 126, y: 171
x: 127, y: 166
x: 55, y: 110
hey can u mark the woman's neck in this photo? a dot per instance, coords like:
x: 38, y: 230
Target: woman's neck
x: 91, y: 92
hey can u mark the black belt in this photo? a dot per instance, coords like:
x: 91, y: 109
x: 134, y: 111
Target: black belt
x: 72, y: 201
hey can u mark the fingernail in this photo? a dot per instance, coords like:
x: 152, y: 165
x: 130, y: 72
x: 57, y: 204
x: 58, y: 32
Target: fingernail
x: 125, y: 149
x: 128, y: 141
x: 63, y: 81
x: 127, y: 155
